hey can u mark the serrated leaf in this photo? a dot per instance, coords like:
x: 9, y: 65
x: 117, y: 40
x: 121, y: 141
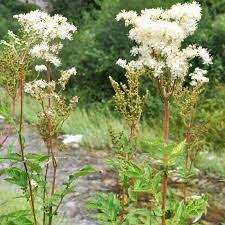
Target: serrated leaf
x: 155, y: 182
x: 82, y: 172
x: 132, y: 194
x: 17, y: 176
x: 179, y: 148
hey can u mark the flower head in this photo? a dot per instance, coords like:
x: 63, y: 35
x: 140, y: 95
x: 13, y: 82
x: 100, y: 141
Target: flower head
x: 198, y: 76
x: 65, y: 76
x: 40, y: 68
x: 48, y: 33
x: 158, y: 35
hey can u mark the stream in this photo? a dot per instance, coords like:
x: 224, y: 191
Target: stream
x: 74, y: 158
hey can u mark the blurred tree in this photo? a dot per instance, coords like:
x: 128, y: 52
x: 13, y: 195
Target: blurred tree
x: 73, y: 9
x: 101, y: 40
x: 216, y: 6
x: 8, y: 8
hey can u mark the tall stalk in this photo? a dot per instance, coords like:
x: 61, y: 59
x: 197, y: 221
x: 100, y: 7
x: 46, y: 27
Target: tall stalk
x: 164, y: 175
x: 50, y: 149
x: 188, y: 146
x: 124, y: 191
x: 187, y: 159
x: 21, y: 144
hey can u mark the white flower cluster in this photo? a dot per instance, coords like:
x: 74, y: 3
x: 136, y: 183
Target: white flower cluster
x: 198, y: 76
x: 37, y: 89
x: 159, y: 34
x: 49, y: 31
x: 33, y: 183
x: 40, y: 68
x: 65, y: 76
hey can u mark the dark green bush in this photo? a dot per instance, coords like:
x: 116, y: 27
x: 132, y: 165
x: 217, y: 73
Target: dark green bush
x: 8, y: 8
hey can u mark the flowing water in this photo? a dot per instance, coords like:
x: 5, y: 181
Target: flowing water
x: 104, y: 180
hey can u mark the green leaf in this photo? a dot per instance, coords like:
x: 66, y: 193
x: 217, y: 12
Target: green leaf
x: 179, y: 148
x: 197, y: 206
x: 37, y: 157
x: 132, y: 194
x: 17, y: 176
x: 19, y: 217
x: 155, y: 183
x: 23, y: 221
x: 109, y: 206
x: 131, y: 169
x: 138, y: 216
x: 53, y: 200
x: 12, y: 156
x: 82, y: 172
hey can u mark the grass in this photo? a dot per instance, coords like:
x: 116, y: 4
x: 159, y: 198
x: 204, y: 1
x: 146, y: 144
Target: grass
x: 94, y: 124
x: 212, y: 163
x: 11, y: 200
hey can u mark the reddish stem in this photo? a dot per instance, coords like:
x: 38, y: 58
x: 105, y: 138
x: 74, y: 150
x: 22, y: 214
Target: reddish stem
x: 13, y: 108
x: 188, y: 142
x: 166, y: 122
x: 164, y: 175
x: 124, y: 191
x: 50, y: 150
x: 22, y: 151
x: 187, y: 160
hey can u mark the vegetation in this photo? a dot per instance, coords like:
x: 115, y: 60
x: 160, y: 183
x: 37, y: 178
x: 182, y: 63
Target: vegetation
x: 165, y: 109
x: 12, y: 201
x: 95, y: 49
x: 40, y: 38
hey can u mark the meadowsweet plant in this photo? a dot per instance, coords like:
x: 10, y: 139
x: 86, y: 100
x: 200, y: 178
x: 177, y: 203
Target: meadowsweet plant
x: 128, y: 102
x: 186, y: 99
x: 160, y: 54
x: 13, y: 62
x: 15, y: 70
x: 136, y: 179
x: 130, y: 105
x: 159, y: 35
x: 41, y: 40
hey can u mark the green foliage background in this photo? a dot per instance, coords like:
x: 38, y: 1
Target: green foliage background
x: 101, y: 40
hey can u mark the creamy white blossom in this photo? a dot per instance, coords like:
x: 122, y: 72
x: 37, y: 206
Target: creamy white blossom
x: 187, y: 15
x: 48, y: 33
x: 198, y: 76
x: 129, y: 17
x: 36, y: 88
x: 159, y: 35
x: 46, y: 26
x: 13, y: 40
x: 203, y: 53
x: 33, y: 183
x: 65, y: 76
x: 3, y: 42
x: 40, y: 68
x: 122, y: 63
